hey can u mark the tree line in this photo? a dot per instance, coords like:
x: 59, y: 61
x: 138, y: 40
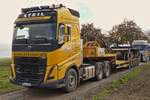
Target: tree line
x: 123, y: 33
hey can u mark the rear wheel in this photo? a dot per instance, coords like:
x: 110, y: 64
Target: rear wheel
x: 71, y: 80
x: 130, y: 65
x: 99, y: 71
x: 135, y: 63
x: 107, y: 69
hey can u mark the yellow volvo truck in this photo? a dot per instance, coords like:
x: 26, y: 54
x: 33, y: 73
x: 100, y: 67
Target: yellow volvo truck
x: 47, y: 50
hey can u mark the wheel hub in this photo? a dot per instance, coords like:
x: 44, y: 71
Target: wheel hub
x: 71, y: 81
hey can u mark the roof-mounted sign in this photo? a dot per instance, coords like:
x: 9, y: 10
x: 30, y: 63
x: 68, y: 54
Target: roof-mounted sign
x: 36, y: 14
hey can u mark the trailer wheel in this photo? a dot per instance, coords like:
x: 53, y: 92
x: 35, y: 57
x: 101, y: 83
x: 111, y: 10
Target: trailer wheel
x: 138, y: 62
x: 130, y: 64
x: 133, y: 64
x: 99, y: 71
x: 107, y: 69
x: 71, y: 80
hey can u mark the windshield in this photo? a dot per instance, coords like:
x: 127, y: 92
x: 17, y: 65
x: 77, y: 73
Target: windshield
x: 35, y: 31
x: 140, y: 47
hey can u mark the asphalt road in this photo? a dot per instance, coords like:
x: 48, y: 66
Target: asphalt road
x: 86, y: 89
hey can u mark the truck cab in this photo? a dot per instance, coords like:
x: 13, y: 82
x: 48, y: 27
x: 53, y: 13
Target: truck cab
x: 143, y: 46
x: 46, y: 42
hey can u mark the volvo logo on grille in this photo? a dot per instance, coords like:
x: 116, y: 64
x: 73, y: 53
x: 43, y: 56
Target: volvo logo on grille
x: 29, y: 46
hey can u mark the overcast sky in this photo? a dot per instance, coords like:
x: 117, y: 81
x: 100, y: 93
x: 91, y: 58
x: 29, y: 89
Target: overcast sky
x: 103, y: 13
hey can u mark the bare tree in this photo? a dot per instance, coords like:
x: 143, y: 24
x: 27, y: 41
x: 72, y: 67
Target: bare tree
x: 88, y: 32
x: 126, y: 32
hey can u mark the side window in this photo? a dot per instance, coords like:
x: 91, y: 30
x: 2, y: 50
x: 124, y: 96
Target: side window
x: 68, y: 33
x: 61, y: 34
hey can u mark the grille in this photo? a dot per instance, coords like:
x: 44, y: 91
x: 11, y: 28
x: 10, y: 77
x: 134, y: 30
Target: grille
x: 30, y: 69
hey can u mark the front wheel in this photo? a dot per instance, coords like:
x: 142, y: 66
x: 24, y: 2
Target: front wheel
x: 71, y: 80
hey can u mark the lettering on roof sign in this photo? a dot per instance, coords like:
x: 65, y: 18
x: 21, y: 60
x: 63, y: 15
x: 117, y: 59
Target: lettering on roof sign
x: 34, y: 14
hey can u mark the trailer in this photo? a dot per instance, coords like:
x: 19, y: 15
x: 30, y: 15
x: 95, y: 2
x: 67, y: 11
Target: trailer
x: 127, y: 56
x: 47, y: 50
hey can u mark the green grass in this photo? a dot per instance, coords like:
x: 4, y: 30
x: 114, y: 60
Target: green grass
x: 117, y: 83
x: 5, y: 85
x: 5, y: 61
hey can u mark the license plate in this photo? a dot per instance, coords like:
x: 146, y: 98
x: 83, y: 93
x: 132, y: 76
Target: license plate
x: 26, y: 84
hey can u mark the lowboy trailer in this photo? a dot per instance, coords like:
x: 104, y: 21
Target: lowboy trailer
x: 127, y: 56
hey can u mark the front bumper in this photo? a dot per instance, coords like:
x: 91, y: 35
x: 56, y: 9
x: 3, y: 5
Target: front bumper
x: 53, y: 84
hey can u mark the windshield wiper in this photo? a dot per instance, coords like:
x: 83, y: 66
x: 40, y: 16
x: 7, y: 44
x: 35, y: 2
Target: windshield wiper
x: 39, y: 40
x: 21, y: 41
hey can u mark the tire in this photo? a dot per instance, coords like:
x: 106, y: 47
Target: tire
x: 138, y: 62
x: 107, y: 69
x: 71, y: 80
x: 130, y: 65
x: 99, y: 71
x: 134, y: 64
